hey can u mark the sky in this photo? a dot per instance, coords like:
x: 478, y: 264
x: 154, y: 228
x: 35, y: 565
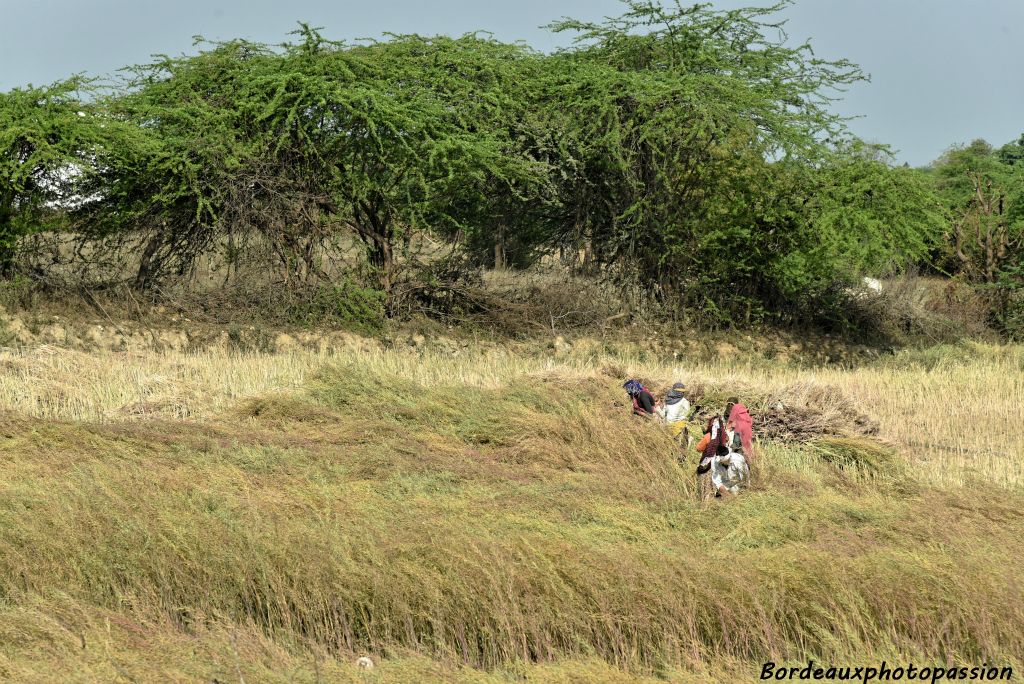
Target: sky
x: 942, y: 71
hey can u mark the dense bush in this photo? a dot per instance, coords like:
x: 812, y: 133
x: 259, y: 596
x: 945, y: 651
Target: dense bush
x: 984, y: 192
x: 687, y: 155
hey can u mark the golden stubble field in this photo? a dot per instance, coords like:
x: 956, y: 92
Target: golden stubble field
x: 955, y: 414
x: 481, y: 514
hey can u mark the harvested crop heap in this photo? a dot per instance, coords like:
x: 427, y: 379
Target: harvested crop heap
x: 798, y: 412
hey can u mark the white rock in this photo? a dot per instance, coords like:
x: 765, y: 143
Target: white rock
x: 365, y: 663
x: 873, y: 284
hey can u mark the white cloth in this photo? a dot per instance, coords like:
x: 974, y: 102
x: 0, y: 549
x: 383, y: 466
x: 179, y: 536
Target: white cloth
x: 715, y: 424
x: 732, y: 476
x: 674, y: 413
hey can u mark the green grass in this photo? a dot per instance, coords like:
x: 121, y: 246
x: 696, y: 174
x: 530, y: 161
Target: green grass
x: 478, y: 533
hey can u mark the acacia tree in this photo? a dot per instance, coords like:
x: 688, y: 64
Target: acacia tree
x: 427, y: 144
x: 680, y: 112
x: 984, y: 195
x: 48, y: 139
x: 298, y: 143
x: 226, y: 159
x: 984, y: 190
x: 869, y: 217
x: 512, y: 212
x: 690, y: 155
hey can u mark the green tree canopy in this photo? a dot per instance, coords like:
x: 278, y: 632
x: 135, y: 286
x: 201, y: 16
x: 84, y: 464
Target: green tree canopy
x: 689, y: 154
x: 984, y: 192
x: 709, y: 169
x: 297, y: 143
x: 49, y: 140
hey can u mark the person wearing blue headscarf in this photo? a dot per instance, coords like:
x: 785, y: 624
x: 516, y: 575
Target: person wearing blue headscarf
x: 643, y: 400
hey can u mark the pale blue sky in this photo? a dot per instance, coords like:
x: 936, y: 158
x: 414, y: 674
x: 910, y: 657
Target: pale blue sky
x: 943, y: 71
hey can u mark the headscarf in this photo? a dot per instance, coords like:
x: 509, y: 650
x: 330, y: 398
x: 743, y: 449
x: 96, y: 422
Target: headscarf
x: 739, y: 416
x: 633, y: 387
x: 729, y: 403
x: 675, y: 395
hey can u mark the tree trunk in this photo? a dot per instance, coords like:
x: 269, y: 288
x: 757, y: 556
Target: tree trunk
x: 377, y: 233
x: 589, y: 264
x: 8, y: 239
x: 382, y: 258
x: 500, y: 262
x: 144, y: 277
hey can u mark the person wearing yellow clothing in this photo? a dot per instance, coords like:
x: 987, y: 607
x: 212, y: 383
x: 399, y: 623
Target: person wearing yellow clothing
x: 675, y: 411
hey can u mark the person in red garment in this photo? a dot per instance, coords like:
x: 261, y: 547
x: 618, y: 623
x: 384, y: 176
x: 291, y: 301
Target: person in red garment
x: 737, y: 418
x: 643, y: 400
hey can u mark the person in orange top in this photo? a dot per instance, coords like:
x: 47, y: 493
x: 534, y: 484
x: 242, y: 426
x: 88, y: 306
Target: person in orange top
x: 703, y: 443
x: 708, y: 447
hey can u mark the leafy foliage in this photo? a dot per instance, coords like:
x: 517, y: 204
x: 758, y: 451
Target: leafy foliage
x: 707, y: 178
x: 984, y: 190
x: 298, y: 144
x: 686, y: 154
x: 49, y: 140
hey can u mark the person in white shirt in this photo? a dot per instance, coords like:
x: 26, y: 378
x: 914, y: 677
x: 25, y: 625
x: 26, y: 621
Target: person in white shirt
x: 729, y: 472
x: 675, y: 411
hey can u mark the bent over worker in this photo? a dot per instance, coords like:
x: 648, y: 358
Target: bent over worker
x: 675, y: 411
x: 643, y: 400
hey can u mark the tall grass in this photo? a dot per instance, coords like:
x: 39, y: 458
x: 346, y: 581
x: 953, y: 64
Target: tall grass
x: 497, y: 511
x: 956, y: 413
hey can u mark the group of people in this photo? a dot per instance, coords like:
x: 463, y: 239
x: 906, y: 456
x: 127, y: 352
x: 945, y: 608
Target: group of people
x: 724, y: 449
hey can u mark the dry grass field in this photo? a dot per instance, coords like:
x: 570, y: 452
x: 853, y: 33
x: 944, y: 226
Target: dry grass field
x: 495, y: 516
x: 955, y: 412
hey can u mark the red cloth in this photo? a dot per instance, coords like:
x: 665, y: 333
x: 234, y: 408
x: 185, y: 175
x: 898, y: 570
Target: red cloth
x: 743, y: 424
x: 643, y: 402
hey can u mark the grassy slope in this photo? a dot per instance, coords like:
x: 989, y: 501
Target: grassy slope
x: 278, y: 540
